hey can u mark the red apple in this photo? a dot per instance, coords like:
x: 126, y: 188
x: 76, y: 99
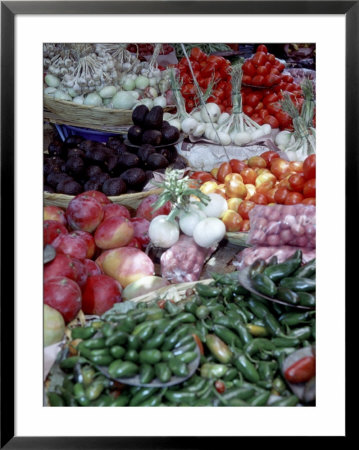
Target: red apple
x: 89, y: 240
x: 135, y: 242
x: 55, y: 213
x: 100, y: 258
x: 99, y: 295
x: 53, y: 229
x: 145, y: 208
x: 114, y: 232
x: 97, y: 195
x: 64, y: 295
x: 92, y: 268
x: 141, y: 227
x: 84, y: 213
x: 61, y: 266
x: 127, y: 264
x: 81, y: 272
x: 114, y: 209
x: 70, y: 245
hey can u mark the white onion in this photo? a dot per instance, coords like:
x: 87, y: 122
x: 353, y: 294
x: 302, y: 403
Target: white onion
x: 142, y: 82
x: 209, y: 232
x: 210, y: 112
x: 79, y: 100
x: 223, y: 118
x: 162, y: 232
x: 61, y: 95
x: 175, y: 123
x: 266, y: 128
x: 256, y: 134
x: 197, y: 115
x: 283, y: 138
x: 160, y: 101
x: 189, y: 125
x: 189, y: 220
x: 123, y: 100
x: 223, y: 138
x: 242, y: 137
x: 50, y: 91
x: 216, y: 206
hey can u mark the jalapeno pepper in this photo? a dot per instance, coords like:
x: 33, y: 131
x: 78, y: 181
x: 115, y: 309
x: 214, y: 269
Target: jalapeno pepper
x: 264, y: 285
x: 247, y: 369
x: 292, y: 319
x: 218, y: 348
x: 180, y: 397
x: 70, y: 362
x: 266, y: 370
x: 171, y: 308
x: 142, y: 395
x: 177, y: 367
x: 155, y: 400
x: 155, y: 341
x: 306, y: 299
x: 207, y: 291
x: 227, y: 336
x: 301, y: 333
x: 55, y: 399
x: 286, y: 341
x: 298, y: 284
x: 260, y: 399
x: 80, y: 396
x: 152, y: 356
x: 242, y: 331
x: 118, y: 337
x: 256, y: 267
x: 121, y: 400
x: 288, y: 296
x: 307, y: 270
x: 258, y: 344
x: 279, y: 385
x: 95, y: 389
x: 209, y: 370
x: 87, y: 375
x: 122, y: 369
x: 278, y: 271
x: 175, y: 337
x: 291, y: 400
x: 237, y: 393
x: 147, y: 373
x: 83, y: 332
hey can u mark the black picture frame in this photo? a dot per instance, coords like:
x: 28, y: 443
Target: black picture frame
x: 8, y: 12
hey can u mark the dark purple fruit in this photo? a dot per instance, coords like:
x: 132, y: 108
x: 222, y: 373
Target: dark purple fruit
x: 75, y: 166
x: 128, y: 160
x: 134, y: 134
x: 72, y: 188
x: 134, y: 177
x: 114, y: 186
x: 49, y: 189
x: 157, y: 161
x: 92, y: 171
x: 74, y: 151
x: 139, y: 114
x: 170, y: 134
x: 93, y: 185
x: 55, y: 178
x: 56, y: 148
x: 145, y: 151
x: 179, y: 163
x: 154, y: 119
x: 152, y: 137
x: 73, y: 141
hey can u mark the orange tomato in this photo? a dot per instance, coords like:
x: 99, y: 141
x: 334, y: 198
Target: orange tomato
x: 309, y: 188
x: 293, y: 198
x: 234, y: 186
x: 296, y: 166
x: 296, y: 182
x: 265, y: 177
x: 256, y: 161
x: 244, y: 225
x: 202, y: 177
x: 280, y: 195
x: 249, y: 176
x: 232, y: 220
x: 245, y: 207
x: 279, y: 167
x: 224, y: 169
x: 270, y: 194
x: 309, y: 201
x: 269, y: 156
x: 234, y: 203
x: 259, y: 199
x: 209, y: 187
x: 251, y: 190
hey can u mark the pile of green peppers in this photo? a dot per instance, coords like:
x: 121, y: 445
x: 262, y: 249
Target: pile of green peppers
x: 244, y: 340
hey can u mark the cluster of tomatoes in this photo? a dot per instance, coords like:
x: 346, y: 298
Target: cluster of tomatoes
x: 144, y: 50
x: 207, y: 69
x: 261, y: 180
x: 262, y: 102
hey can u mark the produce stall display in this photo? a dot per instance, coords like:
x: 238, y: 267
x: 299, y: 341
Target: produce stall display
x: 166, y: 285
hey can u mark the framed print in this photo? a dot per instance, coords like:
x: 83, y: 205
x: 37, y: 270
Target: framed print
x: 159, y: 221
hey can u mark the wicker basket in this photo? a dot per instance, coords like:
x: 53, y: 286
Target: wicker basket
x: 131, y: 201
x: 89, y: 116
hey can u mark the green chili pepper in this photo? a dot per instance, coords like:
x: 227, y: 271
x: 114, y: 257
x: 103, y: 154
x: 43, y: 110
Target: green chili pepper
x: 307, y: 270
x: 257, y: 345
x: 180, y: 396
x: 247, y: 369
x: 155, y: 400
x: 88, y: 374
x: 163, y: 372
x: 218, y: 348
x: 209, y: 370
x: 298, y: 284
x: 231, y: 374
x: 207, y: 291
x: 83, y: 332
x: 266, y: 370
x: 292, y: 319
x: 80, y: 396
x: 278, y: 271
x: 122, y: 369
x: 147, y: 373
x: 306, y: 299
x: 242, y: 331
x: 264, y: 285
x: 171, y: 308
x: 227, y: 336
x: 292, y: 400
x: 256, y: 267
x: 95, y: 389
x: 288, y: 296
x: 118, y: 337
x: 152, y: 356
x: 93, y: 344
x: 70, y: 362
x: 142, y: 395
x: 177, y: 367
x: 238, y: 393
x: 117, y: 351
x: 260, y: 399
x: 121, y: 400
x: 55, y: 399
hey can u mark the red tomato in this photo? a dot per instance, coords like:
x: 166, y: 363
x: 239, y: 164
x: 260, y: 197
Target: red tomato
x: 220, y: 386
x: 284, y: 119
x: 270, y: 98
x: 202, y: 177
x: 274, y: 71
x: 301, y: 371
x: 274, y: 108
x: 248, y: 68
x: 287, y: 78
x: 309, y: 201
x: 280, y: 195
x: 188, y: 89
x: 262, y: 70
x: 259, y: 106
x: 272, y: 121
x: 263, y: 113
x: 258, y: 80
x: 197, y: 54
x: 296, y: 182
x: 271, y: 58
x: 269, y: 156
x: 245, y: 207
x: 237, y: 166
x: 293, y: 198
x: 309, y: 188
x: 259, y: 59
x: 271, y: 79
x: 259, y: 199
x: 309, y: 167
x: 223, y: 171
x: 248, y: 110
x: 253, y: 99
x: 262, y: 48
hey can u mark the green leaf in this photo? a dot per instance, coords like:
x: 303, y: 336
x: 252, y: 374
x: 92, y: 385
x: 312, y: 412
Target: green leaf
x: 119, y: 308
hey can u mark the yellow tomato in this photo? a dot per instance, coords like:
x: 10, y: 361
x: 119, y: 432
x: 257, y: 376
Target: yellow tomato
x: 209, y: 187
x: 232, y: 220
x: 214, y: 172
x: 264, y: 177
x: 251, y: 190
x: 257, y: 161
x: 234, y: 186
x: 233, y: 203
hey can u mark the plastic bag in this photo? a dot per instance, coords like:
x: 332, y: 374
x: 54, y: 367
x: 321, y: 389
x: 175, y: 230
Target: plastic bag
x: 247, y: 256
x: 279, y: 225
x: 183, y: 262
